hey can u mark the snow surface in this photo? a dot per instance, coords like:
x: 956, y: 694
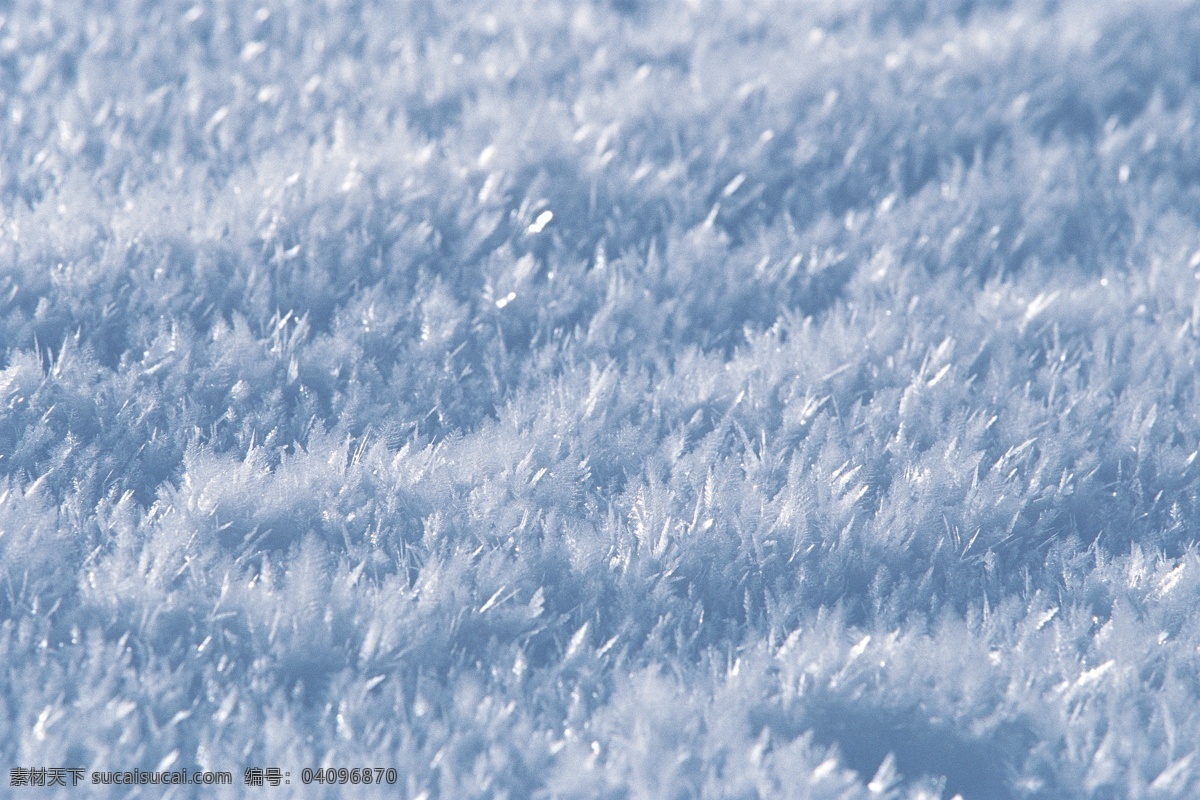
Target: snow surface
x: 724, y: 398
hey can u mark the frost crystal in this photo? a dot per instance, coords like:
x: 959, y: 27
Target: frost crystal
x: 604, y: 399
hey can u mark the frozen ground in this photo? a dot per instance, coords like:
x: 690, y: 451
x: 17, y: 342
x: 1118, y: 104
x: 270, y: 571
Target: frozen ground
x: 604, y: 399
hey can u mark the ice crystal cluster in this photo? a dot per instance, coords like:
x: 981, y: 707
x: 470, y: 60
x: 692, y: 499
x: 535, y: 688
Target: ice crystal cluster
x: 603, y: 399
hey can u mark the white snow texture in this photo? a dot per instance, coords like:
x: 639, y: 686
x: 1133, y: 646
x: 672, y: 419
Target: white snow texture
x: 603, y: 399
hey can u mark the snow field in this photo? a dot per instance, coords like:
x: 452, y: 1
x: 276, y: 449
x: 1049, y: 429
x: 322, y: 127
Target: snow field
x: 580, y: 400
